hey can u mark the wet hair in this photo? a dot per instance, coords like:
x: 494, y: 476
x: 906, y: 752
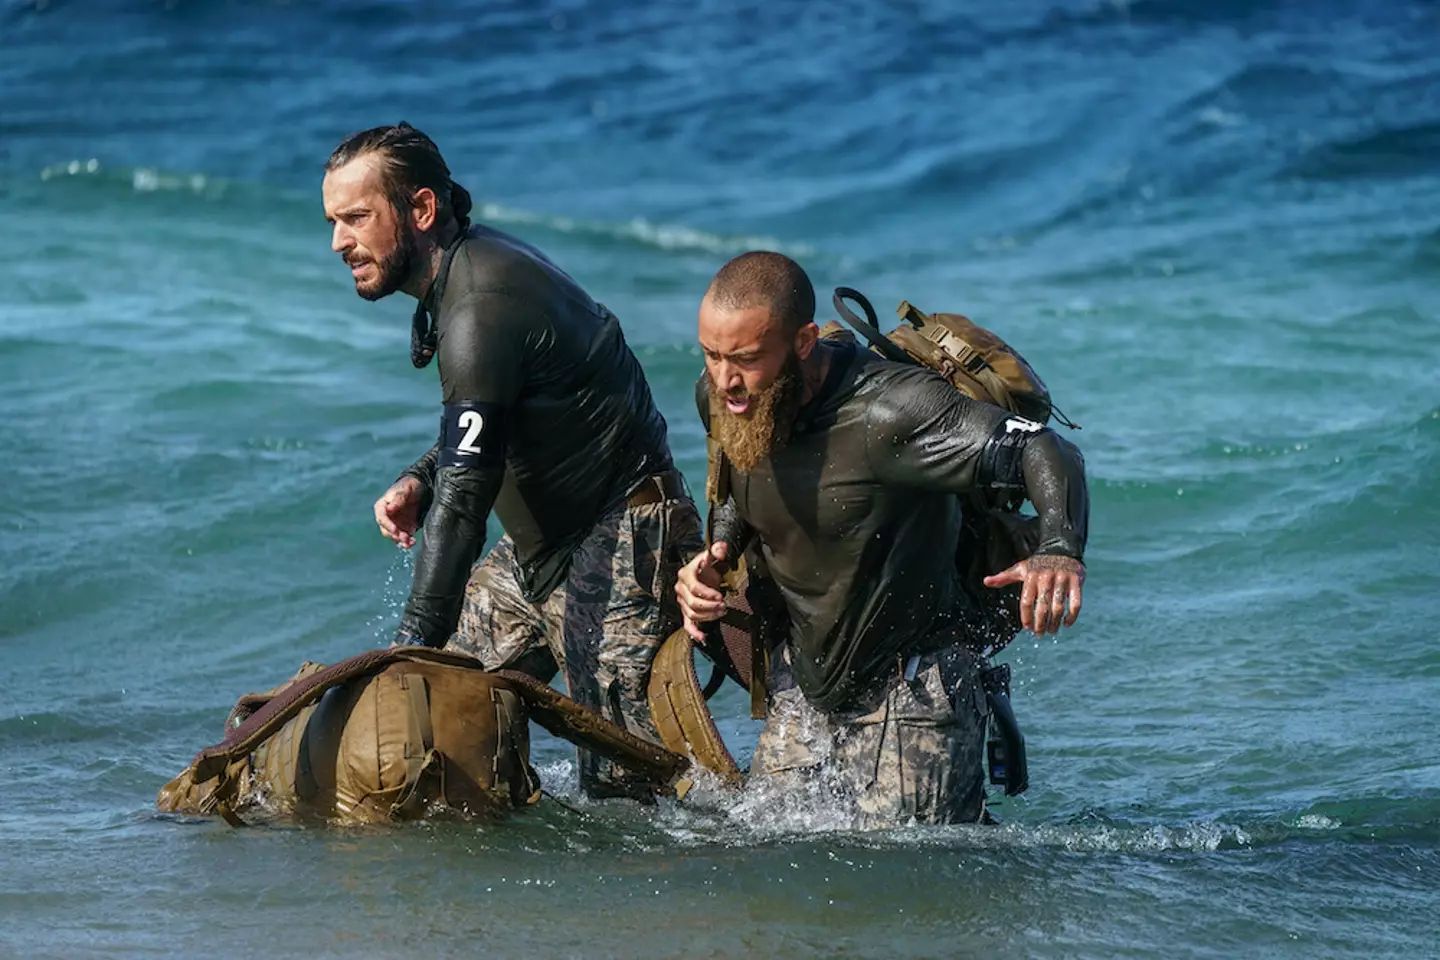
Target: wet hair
x: 764, y: 279
x: 409, y: 161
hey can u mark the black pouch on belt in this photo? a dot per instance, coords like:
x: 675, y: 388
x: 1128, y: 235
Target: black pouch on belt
x: 1005, y: 748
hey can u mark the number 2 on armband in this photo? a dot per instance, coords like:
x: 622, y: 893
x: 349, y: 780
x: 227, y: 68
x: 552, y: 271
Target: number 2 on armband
x: 472, y: 423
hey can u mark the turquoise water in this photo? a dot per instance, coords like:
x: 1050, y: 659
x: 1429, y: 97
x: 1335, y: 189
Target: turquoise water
x: 1214, y: 229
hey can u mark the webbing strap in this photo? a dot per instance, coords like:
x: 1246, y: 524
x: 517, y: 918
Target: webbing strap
x: 508, y: 752
x: 421, y: 735
x: 420, y: 753
x: 221, y: 799
x: 972, y: 361
x: 997, y: 387
x: 681, y: 715
x: 717, y: 475
x: 573, y: 721
x: 759, y: 667
x: 427, y: 761
x: 870, y: 326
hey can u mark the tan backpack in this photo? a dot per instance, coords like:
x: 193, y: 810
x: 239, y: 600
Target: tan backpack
x: 974, y: 360
x: 390, y: 735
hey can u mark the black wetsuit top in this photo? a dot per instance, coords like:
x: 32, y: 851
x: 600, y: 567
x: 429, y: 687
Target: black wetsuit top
x: 547, y: 419
x: 858, y: 518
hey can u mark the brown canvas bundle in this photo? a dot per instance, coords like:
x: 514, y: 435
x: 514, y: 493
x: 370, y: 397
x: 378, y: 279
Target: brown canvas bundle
x: 390, y: 734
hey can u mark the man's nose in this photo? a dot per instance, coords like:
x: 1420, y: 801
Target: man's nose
x: 732, y: 378
x: 340, y: 238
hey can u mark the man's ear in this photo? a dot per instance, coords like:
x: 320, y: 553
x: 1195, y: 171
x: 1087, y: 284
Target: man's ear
x: 424, y: 209
x: 805, y: 339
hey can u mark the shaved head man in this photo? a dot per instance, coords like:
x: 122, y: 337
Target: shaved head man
x: 757, y: 325
x: 844, y: 472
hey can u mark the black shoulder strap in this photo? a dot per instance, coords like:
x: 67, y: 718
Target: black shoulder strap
x: 870, y: 327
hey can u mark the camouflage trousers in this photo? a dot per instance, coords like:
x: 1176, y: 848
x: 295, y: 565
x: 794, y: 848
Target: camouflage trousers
x: 913, y: 750
x: 602, y: 626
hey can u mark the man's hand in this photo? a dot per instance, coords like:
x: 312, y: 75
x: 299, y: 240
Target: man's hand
x: 398, y: 512
x: 698, y: 590
x: 1049, y: 583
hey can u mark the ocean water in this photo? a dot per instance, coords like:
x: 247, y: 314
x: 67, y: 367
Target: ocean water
x: 1214, y: 228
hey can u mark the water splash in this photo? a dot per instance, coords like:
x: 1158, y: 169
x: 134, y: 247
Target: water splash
x: 393, y: 595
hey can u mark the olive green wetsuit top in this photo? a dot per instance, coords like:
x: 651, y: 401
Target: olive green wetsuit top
x: 547, y: 418
x: 858, y: 515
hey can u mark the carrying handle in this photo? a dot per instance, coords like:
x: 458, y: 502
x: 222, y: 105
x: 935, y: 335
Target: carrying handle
x: 868, y: 328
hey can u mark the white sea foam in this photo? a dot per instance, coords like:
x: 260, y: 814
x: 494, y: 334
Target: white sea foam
x: 640, y: 230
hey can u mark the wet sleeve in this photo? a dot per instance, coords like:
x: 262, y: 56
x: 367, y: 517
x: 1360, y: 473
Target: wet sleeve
x: 424, y: 471
x: 424, y: 468
x: 482, y: 361
x: 728, y: 526
x: 1054, y: 472
x: 924, y: 434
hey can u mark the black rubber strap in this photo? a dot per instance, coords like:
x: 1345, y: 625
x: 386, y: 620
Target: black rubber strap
x: 870, y: 327
x: 1000, y: 460
x: 716, y: 681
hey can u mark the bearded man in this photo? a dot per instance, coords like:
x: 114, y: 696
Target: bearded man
x: 546, y: 419
x: 844, y: 471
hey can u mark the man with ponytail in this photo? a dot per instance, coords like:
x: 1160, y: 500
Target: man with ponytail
x: 547, y: 420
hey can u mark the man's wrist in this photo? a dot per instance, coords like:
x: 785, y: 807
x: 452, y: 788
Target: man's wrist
x: 412, y: 473
x: 1056, y: 553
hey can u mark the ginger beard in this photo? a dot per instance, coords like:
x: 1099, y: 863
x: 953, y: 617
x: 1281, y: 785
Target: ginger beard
x: 748, y: 438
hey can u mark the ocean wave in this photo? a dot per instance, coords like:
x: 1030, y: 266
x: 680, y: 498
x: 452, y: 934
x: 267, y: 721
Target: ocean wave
x: 140, y: 179
x: 667, y: 237
x: 1189, y: 13
x: 1388, y: 153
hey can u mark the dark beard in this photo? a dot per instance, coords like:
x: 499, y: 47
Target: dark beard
x: 394, y: 269
x: 754, y: 436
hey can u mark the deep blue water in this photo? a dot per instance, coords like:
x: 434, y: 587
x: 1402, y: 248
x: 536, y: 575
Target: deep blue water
x: 1214, y: 228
